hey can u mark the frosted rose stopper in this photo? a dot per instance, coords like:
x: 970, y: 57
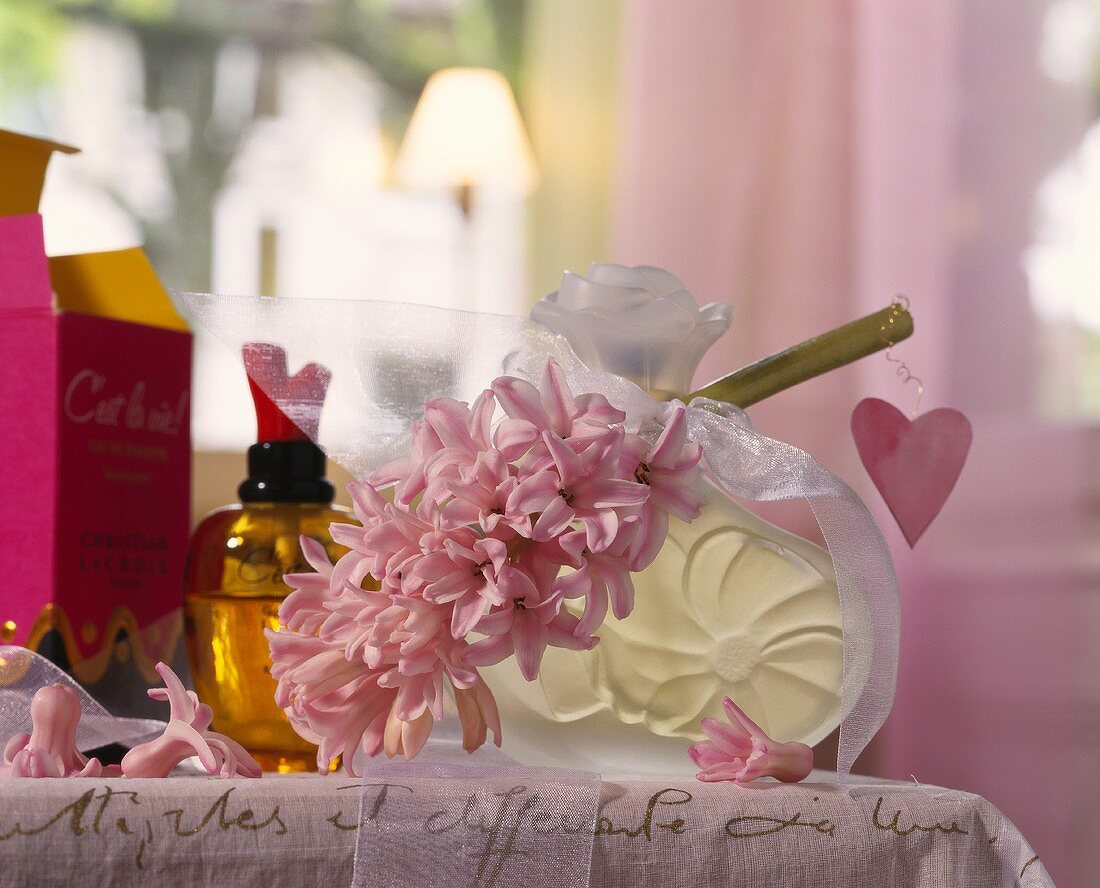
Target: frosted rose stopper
x: 640, y: 323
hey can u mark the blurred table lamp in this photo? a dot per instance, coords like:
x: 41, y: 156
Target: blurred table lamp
x: 466, y: 134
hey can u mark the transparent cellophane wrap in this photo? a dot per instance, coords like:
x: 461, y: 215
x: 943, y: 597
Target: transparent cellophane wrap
x: 732, y: 606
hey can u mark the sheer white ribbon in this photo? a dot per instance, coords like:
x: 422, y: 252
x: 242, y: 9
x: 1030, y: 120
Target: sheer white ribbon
x: 23, y: 672
x: 482, y: 826
x: 387, y: 358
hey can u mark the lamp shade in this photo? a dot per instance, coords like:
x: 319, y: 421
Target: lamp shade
x: 466, y: 132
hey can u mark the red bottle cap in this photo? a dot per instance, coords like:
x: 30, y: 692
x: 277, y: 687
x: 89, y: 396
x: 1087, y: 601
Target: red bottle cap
x: 288, y: 408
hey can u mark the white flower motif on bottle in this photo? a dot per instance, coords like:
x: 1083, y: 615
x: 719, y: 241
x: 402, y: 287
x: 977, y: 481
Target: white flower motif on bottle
x: 759, y: 621
x: 732, y: 607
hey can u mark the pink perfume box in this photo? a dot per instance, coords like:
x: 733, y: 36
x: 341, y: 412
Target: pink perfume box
x: 95, y: 372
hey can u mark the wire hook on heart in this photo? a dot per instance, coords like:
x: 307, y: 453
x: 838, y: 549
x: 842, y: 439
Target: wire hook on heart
x: 913, y: 462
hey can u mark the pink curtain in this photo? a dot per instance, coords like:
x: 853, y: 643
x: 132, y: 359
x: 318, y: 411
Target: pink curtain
x: 737, y: 133
x: 807, y: 161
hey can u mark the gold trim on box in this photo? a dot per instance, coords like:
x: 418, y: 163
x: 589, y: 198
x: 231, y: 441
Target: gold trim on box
x: 89, y: 670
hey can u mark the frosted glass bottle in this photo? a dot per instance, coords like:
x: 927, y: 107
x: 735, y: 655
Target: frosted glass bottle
x: 732, y: 606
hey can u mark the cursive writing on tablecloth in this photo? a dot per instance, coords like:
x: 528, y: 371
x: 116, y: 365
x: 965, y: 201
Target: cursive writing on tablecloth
x: 103, y: 812
x: 496, y: 828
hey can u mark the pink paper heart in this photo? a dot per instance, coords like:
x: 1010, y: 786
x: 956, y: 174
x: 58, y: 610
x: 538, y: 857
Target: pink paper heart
x: 914, y: 464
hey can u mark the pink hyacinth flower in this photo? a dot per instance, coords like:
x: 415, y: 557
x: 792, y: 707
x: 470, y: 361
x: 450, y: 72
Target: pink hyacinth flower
x: 187, y: 736
x: 588, y: 490
x: 407, y: 738
x: 305, y: 611
x: 444, y: 443
x: 525, y: 626
x: 669, y: 471
x: 465, y: 575
x: 490, y: 497
x: 477, y: 712
x: 49, y: 750
x: 600, y: 578
x: 550, y: 407
x: 339, y: 722
x: 741, y: 751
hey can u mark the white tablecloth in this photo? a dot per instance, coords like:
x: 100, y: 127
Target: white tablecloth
x: 301, y: 831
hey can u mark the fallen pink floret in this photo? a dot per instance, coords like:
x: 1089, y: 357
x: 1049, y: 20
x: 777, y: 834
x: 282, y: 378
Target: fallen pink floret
x: 186, y: 736
x: 741, y: 751
x: 49, y: 750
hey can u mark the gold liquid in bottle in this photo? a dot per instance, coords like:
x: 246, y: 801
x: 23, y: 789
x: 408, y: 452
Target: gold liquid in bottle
x: 234, y: 587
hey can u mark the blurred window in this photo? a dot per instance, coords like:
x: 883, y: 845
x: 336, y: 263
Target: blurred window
x: 249, y: 145
x: 1063, y: 263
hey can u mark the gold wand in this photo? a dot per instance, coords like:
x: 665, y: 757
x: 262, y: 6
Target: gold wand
x: 811, y: 358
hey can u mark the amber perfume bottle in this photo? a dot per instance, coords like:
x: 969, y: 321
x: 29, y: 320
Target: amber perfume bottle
x: 233, y: 582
